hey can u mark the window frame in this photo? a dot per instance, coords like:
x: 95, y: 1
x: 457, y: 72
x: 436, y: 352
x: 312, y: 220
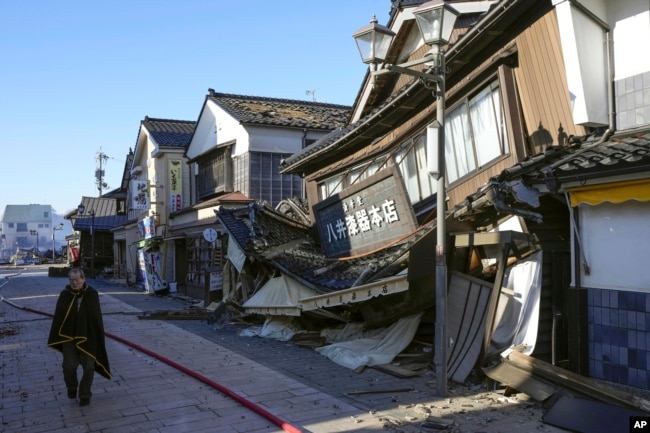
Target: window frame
x: 500, y: 127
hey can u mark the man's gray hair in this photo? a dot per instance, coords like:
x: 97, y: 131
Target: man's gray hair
x: 77, y: 271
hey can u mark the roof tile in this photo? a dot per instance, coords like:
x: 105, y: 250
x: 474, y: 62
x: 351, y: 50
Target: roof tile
x: 282, y: 112
x: 167, y: 132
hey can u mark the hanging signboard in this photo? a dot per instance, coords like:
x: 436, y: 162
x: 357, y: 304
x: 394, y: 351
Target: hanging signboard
x: 139, y: 194
x: 366, y: 216
x: 175, y: 185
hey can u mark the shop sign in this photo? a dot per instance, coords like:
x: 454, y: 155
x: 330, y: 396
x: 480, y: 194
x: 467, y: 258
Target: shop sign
x: 366, y: 216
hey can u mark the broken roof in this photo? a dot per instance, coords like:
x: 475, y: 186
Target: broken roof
x: 473, y: 36
x: 588, y: 159
x: 291, y: 247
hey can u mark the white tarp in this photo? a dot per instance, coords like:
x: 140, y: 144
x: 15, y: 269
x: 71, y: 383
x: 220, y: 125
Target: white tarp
x: 279, y: 328
x: 280, y: 296
x: 517, y: 316
x: 236, y: 255
x: 351, y: 331
x: 377, y: 350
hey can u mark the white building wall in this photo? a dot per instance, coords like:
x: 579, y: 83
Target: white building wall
x: 584, y: 48
x: 630, y: 22
x: 615, y: 242
x: 275, y: 140
x: 215, y: 127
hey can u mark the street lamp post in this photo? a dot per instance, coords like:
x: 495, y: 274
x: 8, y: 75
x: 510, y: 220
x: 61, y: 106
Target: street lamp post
x: 80, y: 209
x: 35, y: 233
x: 54, y: 229
x: 435, y: 20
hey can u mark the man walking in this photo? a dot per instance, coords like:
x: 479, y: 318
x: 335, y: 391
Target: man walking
x: 78, y: 332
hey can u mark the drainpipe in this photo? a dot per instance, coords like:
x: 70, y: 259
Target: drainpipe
x: 610, y: 104
x: 579, y: 365
x: 304, y: 181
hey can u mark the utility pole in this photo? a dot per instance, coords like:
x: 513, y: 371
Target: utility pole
x: 99, y: 172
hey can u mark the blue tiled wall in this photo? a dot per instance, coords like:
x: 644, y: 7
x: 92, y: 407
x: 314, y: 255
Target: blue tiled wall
x: 619, y: 341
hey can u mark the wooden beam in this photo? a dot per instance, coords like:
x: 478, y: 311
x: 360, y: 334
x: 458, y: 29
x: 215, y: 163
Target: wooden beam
x: 585, y: 385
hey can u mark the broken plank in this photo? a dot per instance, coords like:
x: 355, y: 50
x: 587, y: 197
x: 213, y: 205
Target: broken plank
x: 576, y: 382
x: 521, y: 380
x: 379, y: 391
x: 396, y: 370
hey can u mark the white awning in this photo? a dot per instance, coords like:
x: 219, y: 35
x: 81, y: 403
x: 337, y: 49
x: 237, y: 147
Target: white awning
x: 279, y: 297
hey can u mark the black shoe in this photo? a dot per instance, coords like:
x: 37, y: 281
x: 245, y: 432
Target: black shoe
x: 72, y: 394
x: 84, y: 402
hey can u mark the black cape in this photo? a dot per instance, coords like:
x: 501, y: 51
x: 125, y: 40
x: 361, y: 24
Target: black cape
x: 78, y: 319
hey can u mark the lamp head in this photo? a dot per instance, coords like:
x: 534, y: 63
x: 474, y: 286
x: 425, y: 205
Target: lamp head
x: 81, y: 208
x: 436, y: 20
x: 373, y: 41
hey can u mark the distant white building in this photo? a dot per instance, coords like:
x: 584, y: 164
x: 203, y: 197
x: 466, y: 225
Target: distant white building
x: 26, y: 226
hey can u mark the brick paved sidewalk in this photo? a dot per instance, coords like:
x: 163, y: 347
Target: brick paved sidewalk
x: 145, y: 394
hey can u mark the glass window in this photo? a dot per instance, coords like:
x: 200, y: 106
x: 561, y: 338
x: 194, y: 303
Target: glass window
x: 412, y: 162
x: 336, y: 184
x: 267, y: 183
x: 211, y: 178
x: 331, y: 186
x: 475, y: 133
x: 474, y: 136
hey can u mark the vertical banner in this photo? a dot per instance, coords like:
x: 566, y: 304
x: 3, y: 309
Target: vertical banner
x: 139, y: 194
x: 142, y: 273
x: 148, y: 227
x: 149, y: 268
x: 153, y: 268
x: 175, y: 185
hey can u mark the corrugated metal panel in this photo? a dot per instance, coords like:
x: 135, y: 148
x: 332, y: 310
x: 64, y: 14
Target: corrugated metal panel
x: 105, y: 217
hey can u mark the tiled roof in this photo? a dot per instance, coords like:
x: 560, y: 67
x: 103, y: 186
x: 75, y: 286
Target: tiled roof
x: 291, y: 248
x: 473, y: 40
x: 257, y: 227
x: 282, y: 112
x: 231, y: 199
x: 167, y: 132
x: 106, y: 217
x: 585, y: 159
x: 308, y: 262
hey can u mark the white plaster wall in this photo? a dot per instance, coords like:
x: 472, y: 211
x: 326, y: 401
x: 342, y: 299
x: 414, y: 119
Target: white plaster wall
x: 215, y: 126
x: 229, y: 129
x: 275, y: 140
x: 630, y: 21
x: 615, y: 241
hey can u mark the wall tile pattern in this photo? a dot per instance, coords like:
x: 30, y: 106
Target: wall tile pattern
x: 633, y: 101
x: 619, y: 341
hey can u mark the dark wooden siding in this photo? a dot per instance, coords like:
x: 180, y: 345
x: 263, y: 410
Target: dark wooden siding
x: 554, y: 239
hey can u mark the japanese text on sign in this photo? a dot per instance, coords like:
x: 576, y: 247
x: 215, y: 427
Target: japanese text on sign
x: 359, y: 219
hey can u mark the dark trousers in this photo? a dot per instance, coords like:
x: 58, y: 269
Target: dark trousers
x: 72, y: 359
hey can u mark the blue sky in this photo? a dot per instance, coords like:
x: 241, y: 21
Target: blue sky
x: 78, y: 76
